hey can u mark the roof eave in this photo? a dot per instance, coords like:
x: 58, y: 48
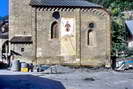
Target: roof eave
x: 67, y: 6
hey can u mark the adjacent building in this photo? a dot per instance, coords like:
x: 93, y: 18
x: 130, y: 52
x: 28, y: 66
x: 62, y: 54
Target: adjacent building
x: 4, y: 46
x: 129, y: 27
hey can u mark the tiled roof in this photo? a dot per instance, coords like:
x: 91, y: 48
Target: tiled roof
x: 63, y: 3
x: 21, y: 39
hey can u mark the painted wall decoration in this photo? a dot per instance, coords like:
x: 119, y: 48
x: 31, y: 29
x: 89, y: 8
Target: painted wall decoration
x: 68, y: 37
x: 67, y: 27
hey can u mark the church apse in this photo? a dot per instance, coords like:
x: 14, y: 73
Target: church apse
x: 74, y: 34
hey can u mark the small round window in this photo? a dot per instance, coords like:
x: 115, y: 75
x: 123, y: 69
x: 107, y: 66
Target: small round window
x: 56, y: 15
x: 91, y: 25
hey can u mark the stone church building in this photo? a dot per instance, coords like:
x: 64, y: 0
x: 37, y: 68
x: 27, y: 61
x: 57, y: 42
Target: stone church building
x: 67, y: 32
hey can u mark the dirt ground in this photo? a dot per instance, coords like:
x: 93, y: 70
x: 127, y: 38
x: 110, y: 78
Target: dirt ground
x: 67, y: 78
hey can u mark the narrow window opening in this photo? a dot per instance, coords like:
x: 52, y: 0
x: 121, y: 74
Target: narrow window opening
x: 54, y: 30
x: 90, y: 38
x: 22, y: 49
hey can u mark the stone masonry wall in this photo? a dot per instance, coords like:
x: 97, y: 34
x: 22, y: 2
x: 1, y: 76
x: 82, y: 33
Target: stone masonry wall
x: 20, y: 24
x: 27, y: 20
x: 48, y: 51
x: 99, y: 52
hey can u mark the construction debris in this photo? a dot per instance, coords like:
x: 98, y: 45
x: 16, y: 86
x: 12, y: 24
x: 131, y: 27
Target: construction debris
x: 124, y: 65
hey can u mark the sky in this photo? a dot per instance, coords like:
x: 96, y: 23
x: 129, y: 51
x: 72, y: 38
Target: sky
x: 3, y: 7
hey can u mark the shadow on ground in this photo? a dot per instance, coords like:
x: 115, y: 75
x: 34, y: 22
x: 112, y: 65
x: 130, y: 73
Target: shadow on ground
x: 28, y: 82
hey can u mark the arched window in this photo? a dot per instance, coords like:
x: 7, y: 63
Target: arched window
x: 54, y: 30
x: 90, y: 38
